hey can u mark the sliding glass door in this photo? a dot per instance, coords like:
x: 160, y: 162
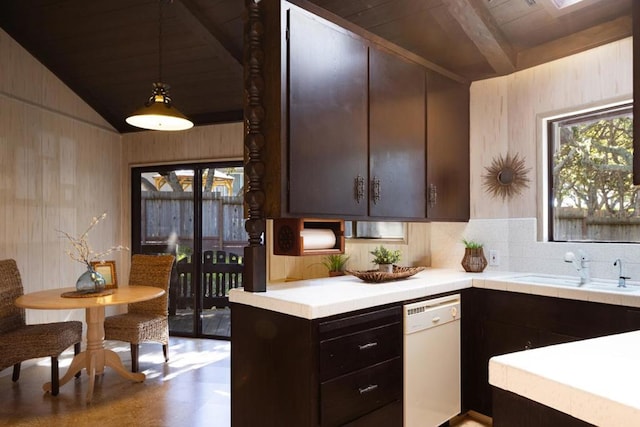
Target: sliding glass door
x: 195, y: 212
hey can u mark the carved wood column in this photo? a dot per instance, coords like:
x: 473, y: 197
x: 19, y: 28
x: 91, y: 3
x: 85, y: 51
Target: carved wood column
x: 255, y: 276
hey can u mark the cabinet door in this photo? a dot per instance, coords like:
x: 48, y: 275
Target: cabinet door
x: 447, y: 148
x: 396, y: 137
x: 327, y: 100
x: 500, y: 338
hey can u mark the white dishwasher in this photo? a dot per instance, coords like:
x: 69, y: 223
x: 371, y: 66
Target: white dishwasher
x: 432, y: 361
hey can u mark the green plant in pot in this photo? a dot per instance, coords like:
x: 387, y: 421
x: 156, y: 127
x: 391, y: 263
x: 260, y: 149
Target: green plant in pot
x: 474, y: 260
x: 335, y: 263
x: 385, y: 258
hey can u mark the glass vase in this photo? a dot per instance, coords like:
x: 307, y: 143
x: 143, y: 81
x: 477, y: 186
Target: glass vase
x: 90, y: 281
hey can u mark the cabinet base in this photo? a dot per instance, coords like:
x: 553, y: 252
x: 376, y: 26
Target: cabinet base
x: 512, y: 410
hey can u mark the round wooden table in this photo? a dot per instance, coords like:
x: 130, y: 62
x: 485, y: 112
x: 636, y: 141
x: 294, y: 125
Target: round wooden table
x: 95, y: 357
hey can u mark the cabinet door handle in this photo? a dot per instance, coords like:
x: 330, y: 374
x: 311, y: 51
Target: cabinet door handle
x: 433, y: 195
x: 367, y: 346
x: 375, y: 190
x: 368, y: 389
x: 528, y: 345
x: 359, y: 184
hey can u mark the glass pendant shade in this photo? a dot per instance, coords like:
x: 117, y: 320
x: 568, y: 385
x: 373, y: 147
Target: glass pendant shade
x: 158, y: 113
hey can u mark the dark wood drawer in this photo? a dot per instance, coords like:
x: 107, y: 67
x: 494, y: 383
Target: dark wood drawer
x: 351, y: 352
x: 345, y: 325
x: 347, y: 398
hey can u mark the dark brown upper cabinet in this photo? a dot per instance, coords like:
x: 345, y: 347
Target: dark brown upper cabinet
x: 346, y: 124
x: 356, y: 126
x: 447, y: 149
x: 396, y: 137
x: 327, y: 100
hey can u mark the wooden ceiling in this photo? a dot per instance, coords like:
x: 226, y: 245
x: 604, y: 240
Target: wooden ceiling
x: 107, y: 51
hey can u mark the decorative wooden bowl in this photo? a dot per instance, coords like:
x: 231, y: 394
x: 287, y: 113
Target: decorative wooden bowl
x: 375, y: 276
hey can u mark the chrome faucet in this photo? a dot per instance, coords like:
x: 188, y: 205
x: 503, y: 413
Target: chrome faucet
x: 581, y: 265
x: 622, y: 280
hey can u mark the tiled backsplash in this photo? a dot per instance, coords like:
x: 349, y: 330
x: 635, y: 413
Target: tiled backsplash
x: 519, y: 250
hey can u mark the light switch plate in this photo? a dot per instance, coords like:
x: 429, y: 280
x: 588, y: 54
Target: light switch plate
x: 494, y: 257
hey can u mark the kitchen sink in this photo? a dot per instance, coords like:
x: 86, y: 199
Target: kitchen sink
x: 574, y: 282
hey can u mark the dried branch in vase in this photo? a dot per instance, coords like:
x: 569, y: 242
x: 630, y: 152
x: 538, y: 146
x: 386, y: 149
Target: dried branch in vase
x: 80, y: 249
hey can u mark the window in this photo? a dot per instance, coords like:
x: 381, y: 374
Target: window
x: 375, y: 230
x: 592, y: 197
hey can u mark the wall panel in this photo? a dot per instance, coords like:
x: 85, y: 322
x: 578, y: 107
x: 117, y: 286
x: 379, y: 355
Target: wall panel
x: 59, y: 167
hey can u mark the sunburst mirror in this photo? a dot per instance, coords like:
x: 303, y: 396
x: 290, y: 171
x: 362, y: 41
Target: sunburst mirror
x: 506, y: 177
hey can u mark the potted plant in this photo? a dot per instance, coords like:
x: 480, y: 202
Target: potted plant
x: 473, y: 260
x: 336, y: 264
x: 385, y: 258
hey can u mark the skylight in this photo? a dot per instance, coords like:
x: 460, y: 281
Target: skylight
x: 562, y: 7
x: 560, y: 4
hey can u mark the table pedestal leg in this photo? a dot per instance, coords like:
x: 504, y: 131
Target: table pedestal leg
x: 96, y: 357
x: 113, y: 361
x: 91, y: 372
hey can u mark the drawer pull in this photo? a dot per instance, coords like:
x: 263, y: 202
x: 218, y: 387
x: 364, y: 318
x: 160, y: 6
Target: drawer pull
x: 367, y: 346
x: 368, y: 388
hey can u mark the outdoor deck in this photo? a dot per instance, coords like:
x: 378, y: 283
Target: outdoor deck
x: 215, y: 322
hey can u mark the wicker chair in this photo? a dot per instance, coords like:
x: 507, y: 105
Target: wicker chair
x: 146, y: 320
x: 20, y: 342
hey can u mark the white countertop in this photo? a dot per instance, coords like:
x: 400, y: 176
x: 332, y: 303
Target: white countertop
x: 629, y: 298
x: 316, y: 298
x: 595, y: 380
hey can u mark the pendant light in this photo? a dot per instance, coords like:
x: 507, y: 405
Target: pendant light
x: 158, y: 112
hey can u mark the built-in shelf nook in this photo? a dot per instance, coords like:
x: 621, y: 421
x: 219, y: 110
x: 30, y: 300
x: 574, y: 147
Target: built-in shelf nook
x: 301, y: 236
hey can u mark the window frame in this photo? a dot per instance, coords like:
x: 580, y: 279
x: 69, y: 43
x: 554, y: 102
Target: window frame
x: 548, y: 144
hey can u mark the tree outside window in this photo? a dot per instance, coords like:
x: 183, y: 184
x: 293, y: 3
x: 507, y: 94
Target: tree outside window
x: 593, y: 197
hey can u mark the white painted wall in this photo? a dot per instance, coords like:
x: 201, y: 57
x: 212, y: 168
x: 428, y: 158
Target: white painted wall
x: 506, y: 117
x: 59, y: 167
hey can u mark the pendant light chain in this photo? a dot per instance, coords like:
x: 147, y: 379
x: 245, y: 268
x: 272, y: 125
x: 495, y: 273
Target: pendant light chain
x: 160, y: 17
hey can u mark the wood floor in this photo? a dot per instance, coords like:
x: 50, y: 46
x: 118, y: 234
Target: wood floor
x: 192, y: 389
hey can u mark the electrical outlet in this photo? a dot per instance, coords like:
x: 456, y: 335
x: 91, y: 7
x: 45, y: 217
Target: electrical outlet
x: 494, y: 257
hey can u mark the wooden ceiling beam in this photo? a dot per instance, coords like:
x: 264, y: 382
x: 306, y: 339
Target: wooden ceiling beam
x: 189, y: 13
x: 481, y: 29
x: 595, y: 36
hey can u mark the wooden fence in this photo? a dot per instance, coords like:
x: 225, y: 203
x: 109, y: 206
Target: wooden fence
x: 168, y: 215
x: 574, y: 224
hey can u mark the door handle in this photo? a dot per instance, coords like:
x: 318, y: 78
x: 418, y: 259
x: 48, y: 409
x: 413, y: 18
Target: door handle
x: 359, y: 187
x: 375, y: 190
x: 433, y: 195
